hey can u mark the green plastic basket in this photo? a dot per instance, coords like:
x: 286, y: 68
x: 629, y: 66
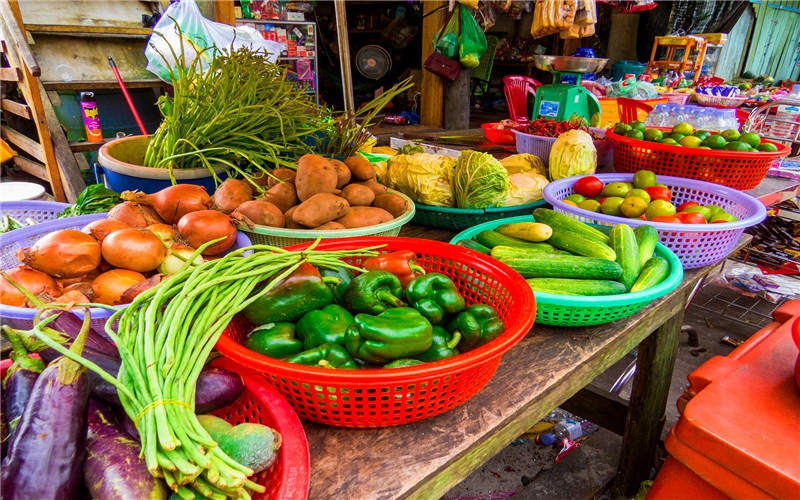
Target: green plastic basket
x: 575, y: 310
x: 459, y: 219
x: 282, y: 237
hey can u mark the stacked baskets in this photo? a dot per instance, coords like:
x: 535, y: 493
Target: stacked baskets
x: 696, y: 245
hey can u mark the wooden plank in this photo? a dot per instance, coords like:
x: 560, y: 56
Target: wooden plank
x: 600, y: 407
x: 432, y: 86
x: 87, y: 13
x: 10, y: 75
x: 55, y: 85
x: 23, y: 142
x: 34, y: 168
x: 88, y: 31
x: 12, y: 22
x: 17, y: 108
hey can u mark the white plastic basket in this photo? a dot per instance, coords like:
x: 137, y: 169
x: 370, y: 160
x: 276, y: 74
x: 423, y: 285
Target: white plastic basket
x: 540, y: 146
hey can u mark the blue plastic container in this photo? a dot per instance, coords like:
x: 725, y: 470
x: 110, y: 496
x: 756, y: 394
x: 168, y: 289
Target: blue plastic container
x: 621, y: 68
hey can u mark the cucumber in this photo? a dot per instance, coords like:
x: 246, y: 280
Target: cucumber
x: 580, y: 244
x: 501, y: 252
x: 570, y: 286
x: 557, y: 219
x: 653, y: 272
x: 492, y: 239
x: 623, y: 241
x: 474, y: 245
x: 544, y: 265
x: 528, y: 231
x: 646, y: 237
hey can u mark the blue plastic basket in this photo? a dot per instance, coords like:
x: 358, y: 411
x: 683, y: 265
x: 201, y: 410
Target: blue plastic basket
x: 575, y: 310
x: 462, y: 218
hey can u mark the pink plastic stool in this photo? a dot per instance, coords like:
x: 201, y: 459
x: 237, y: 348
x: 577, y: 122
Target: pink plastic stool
x: 516, y: 88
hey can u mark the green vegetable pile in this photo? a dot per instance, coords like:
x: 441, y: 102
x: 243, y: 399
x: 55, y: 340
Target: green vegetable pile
x: 96, y: 198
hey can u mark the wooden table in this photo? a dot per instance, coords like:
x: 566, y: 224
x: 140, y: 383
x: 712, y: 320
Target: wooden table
x: 549, y: 366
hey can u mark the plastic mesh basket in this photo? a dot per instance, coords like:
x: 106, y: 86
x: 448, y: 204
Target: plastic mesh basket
x: 22, y: 317
x: 719, y: 101
x: 696, y: 245
x: 736, y: 169
x: 39, y: 211
x: 282, y: 237
x: 540, y: 146
x: 676, y: 98
x: 381, y: 397
x: 574, y: 311
x: 462, y: 218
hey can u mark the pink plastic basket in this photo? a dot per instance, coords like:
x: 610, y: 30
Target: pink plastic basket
x: 677, y: 98
x: 696, y: 245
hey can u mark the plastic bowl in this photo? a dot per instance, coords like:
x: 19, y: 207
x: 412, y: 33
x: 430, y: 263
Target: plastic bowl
x: 499, y: 135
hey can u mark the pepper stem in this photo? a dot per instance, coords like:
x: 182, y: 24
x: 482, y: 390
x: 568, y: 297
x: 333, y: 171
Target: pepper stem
x: 387, y: 297
x: 455, y: 340
x: 417, y: 268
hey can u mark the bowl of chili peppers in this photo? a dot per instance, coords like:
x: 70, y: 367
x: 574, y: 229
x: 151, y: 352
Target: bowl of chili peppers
x: 538, y: 136
x: 401, y: 362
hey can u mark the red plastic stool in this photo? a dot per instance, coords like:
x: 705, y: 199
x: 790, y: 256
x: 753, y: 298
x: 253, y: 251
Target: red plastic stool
x: 629, y: 109
x: 517, y: 88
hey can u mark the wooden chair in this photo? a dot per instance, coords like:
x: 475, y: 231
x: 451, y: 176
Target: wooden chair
x: 630, y: 109
x: 518, y: 89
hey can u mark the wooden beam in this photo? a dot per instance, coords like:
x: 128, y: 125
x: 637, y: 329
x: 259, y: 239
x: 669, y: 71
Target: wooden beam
x: 89, y: 31
x: 12, y: 19
x: 34, y: 168
x: 23, y: 142
x: 102, y: 84
x: 224, y: 13
x: 10, y: 74
x: 432, y: 86
x: 16, y: 108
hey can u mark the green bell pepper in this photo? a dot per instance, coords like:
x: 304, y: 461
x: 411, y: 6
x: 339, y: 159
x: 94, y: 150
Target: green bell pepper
x: 478, y: 324
x: 434, y: 295
x: 443, y: 345
x: 401, y: 332
x: 324, y: 356
x: 403, y: 362
x: 276, y: 340
x: 373, y: 292
x: 302, y: 291
x: 324, y: 326
x: 344, y: 276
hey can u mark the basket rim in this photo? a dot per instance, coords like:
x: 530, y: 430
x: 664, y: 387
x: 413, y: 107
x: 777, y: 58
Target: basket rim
x: 670, y: 283
x: 337, y: 233
x: 479, y: 211
x: 752, y: 204
x: 485, y: 353
x: 783, y: 150
x: 34, y: 205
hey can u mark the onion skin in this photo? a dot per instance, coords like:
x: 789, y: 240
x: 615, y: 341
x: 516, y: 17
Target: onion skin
x: 172, y: 264
x: 111, y: 285
x: 32, y: 280
x: 103, y: 227
x: 131, y: 293
x: 230, y: 194
x: 167, y: 233
x: 198, y: 228
x: 135, y: 215
x: 66, y: 253
x: 173, y: 202
x: 134, y: 249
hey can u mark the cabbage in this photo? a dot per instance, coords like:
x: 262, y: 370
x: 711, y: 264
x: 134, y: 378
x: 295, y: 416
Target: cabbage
x: 525, y: 188
x: 479, y: 180
x: 573, y: 153
x: 524, y: 162
x: 423, y: 177
x: 382, y: 172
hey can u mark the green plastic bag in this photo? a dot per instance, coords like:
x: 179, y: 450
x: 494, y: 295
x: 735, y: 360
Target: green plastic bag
x: 446, y: 40
x: 472, y: 42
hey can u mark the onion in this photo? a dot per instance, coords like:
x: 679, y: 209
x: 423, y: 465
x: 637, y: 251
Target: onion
x: 134, y: 249
x: 36, y: 282
x: 139, y: 216
x: 66, y: 253
x: 198, y: 228
x: 83, y: 287
x: 173, y: 202
x: 230, y: 194
x: 109, y: 286
x: 132, y: 292
x: 165, y: 232
x: 103, y: 227
x: 173, y: 262
x: 72, y: 297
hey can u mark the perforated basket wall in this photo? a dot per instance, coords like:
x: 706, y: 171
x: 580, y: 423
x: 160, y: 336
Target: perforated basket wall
x: 39, y: 211
x: 574, y: 311
x: 696, y: 245
x: 735, y: 169
x: 540, y: 146
x: 384, y: 397
x: 463, y: 218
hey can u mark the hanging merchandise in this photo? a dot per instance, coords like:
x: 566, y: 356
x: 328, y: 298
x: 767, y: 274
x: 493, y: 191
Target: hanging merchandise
x: 585, y: 19
x: 445, y: 42
x: 631, y: 6
x: 472, y: 42
x: 552, y: 16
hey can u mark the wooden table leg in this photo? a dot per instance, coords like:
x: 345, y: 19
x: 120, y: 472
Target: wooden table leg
x: 656, y: 360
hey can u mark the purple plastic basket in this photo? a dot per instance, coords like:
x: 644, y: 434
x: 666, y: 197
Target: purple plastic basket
x: 39, y: 211
x: 540, y: 146
x: 696, y: 245
x: 21, y: 318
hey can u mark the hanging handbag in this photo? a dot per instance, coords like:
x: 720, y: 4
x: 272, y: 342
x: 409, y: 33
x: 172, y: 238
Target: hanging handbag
x: 438, y: 63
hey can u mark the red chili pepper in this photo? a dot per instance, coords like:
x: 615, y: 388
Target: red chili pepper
x: 401, y: 263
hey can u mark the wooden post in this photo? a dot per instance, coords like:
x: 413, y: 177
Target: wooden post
x: 456, y: 102
x: 432, y: 86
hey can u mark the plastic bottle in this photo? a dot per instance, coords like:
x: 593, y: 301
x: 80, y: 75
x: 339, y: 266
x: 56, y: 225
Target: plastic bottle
x: 91, y: 117
x: 563, y: 429
x: 790, y: 111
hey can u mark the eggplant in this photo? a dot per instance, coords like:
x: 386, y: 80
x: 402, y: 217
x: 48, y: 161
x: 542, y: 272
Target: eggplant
x: 17, y: 388
x: 69, y: 323
x: 45, y: 458
x: 114, y: 470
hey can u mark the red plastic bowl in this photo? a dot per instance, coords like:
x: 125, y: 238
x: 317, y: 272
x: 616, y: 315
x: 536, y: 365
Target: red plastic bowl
x: 796, y: 338
x: 499, y: 135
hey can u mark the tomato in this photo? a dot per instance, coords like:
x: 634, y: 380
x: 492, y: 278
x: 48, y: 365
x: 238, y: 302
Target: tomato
x: 589, y: 186
x: 686, y: 204
x: 659, y: 193
x: 666, y: 218
x: 633, y: 207
x: 691, y: 217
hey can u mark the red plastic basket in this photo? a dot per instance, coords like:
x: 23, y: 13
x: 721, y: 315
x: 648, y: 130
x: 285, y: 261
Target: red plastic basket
x: 735, y: 169
x: 289, y: 477
x: 385, y: 397
x: 498, y: 135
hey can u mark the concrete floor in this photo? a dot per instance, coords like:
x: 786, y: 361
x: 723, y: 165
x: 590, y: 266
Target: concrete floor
x: 526, y: 469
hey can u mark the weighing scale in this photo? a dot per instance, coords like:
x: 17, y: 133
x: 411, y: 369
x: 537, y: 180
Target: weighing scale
x: 562, y: 100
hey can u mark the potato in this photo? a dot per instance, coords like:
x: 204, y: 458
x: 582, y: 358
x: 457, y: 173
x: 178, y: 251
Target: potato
x: 319, y: 209
x: 261, y: 179
x: 364, y: 216
x: 360, y: 168
x: 230, y: 194
x: 281, y: 174
x: 392, y: 203
x: 262, y: 213
x: 315, y: 175
x: 282, y: 195
x: 289, y: 222
x: 374, y: 185
x: 331, y: 225
x: 358, y: 195
x: 342, y: 173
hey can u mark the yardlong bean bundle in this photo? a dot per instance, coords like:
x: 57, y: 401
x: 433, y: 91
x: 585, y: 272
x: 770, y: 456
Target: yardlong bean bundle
x: 165, y: 337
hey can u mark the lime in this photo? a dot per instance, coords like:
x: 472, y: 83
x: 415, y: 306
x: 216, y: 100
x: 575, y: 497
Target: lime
x: 767, y: 147
x: 670, y: 141
x: 714, y: 141
x: 637, y: 125
x: 702, y: 134
x: 690, y: 141
x: 730, y: 134
x: 676, y: 137
x: 653, y: 134
x: 751, y: 139
x: 635, y: 134
x: 736, y: 146
x: 621, y: 128
x: 683, y: 128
